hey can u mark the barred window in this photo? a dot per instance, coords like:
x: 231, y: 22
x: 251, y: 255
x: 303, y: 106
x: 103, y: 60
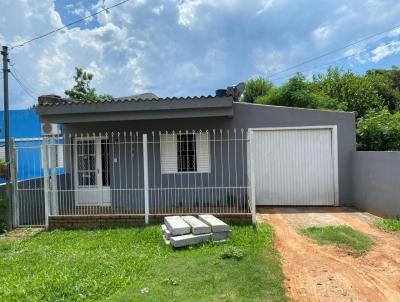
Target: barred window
x: 187, y: 161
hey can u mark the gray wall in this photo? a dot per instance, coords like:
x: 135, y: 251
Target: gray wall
x: 376, y: 182
x: 247, y: 116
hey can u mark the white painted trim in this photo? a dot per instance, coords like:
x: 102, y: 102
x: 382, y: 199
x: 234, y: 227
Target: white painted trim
x: 294, y: 128
x: 335, y: 164
x: 99, y: 187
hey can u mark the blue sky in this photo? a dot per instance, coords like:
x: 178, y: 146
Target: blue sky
x: 182, y: 47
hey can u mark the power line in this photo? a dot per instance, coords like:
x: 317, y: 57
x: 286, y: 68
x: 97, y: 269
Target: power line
x: 24, y: 81
x: 335, y: 50
x: 67, y: 25
x: 313, y: 68
x: 319, y: 66
x: 23, y: 86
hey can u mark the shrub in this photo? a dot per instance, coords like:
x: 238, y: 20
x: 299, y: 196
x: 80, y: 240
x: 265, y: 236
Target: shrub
x: 232, y: 252
x: 378, y: 131
x: 255, y: 88
x: 3, y: 226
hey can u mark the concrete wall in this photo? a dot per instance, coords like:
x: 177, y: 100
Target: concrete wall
x: 376, y: 182
x: 245, y: 116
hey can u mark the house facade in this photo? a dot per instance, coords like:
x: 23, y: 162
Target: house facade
x: 198, y: 154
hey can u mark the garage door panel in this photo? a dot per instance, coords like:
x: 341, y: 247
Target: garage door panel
x: 294, y: 167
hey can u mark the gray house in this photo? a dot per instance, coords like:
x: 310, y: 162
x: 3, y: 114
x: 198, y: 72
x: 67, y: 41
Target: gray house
x: 196, y: 154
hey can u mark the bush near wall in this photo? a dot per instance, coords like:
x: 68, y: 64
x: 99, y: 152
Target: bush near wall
x: 378, y: 131
x: 3, y: 227
x: 3, y: 203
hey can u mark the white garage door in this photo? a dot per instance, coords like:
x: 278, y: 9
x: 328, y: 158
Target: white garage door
x: 294, y: 166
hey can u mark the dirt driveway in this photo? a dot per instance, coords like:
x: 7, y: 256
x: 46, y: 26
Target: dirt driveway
x: 328, y: 273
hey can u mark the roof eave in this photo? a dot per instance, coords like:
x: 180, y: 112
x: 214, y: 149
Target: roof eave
x: 139, y: 110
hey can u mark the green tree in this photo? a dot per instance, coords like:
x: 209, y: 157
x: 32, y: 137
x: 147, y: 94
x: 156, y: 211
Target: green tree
x: 387, y: 85
x: 256, y: 87
x: 357, y: 92
x: 379, y: 131
x: 298, y: 92
x: 82, y: 91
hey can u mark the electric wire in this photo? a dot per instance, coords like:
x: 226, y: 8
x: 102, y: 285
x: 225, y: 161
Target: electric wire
x: 67, y: 25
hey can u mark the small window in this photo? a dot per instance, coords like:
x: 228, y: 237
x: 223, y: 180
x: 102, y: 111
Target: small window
x: 187, y: 160
x: 189, y: 152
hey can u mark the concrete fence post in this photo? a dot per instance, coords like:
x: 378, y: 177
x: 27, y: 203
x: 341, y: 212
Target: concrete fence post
x: 53, y: 184
x: 45, y: 164
x: 14, y: 182
x: 145, y: 180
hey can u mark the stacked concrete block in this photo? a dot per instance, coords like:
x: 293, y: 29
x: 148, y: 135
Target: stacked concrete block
x: 197, y: 226
x: 220, y: 230
x: 180, y: 231
x: 189, y: 239
x: 176, y: 225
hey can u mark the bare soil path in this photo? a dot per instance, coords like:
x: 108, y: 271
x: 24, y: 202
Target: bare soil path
x: 328, y: 273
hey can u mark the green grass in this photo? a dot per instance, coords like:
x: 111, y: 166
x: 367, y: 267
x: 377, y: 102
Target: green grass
x: 353, y: 241
x: 389, y: 224
x: 136, y: 265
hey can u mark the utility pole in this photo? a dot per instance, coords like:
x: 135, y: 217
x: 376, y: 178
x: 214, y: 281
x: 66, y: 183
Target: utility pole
x: 4, y: 53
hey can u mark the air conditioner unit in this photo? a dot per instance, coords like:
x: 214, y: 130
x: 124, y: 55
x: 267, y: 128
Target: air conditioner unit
x: 50, y: 129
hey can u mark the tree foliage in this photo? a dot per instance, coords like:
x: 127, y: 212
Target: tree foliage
x: 256, y: 87
x: 357, y: 92
x: 297, y: 92
x: 82, y: 91
x: 375, y: 96
x: 378, y: 131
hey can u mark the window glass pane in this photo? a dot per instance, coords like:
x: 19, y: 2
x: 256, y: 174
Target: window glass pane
x: 86, y: 162
x: 187, y: 152
x: 105, y: 162
x: 87, y: 178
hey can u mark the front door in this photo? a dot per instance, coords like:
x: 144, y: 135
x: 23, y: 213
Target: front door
x: 92, y: 172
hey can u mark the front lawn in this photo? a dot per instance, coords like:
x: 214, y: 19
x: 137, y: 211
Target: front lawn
x: 355, y: 242
x: 389, y: 224
x: 136, y: 265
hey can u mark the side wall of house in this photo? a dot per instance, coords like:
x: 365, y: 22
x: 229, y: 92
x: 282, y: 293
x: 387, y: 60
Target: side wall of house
x: 245, y: 116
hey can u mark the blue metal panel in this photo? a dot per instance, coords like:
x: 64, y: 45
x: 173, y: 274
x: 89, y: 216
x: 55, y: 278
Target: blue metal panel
x: 23, y: 123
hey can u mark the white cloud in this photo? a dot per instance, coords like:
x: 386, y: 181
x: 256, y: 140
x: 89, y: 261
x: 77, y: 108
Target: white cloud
x: 266, y: 4
x: 186, y: 47
x: 78, y: 9
x: 188, y: 12
x: 322, y: 33
x: 158, y: 10
x: 383, y: 51
x: 268, y: 61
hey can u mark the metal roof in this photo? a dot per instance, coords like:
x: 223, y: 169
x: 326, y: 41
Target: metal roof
x: 57, y: 101
x: 53, y: 109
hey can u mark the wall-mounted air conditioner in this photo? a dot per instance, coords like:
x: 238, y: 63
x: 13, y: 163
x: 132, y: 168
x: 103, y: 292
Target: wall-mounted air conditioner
x: 50, y: 129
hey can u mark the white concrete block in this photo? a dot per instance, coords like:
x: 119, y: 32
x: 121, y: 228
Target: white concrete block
x: 198, y: 227
x: 165, y: 231
x: 220, y: 236
x: 166, y: 240
x: 189, y: 239
x: 216, y: 224
x: 176, y: 225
